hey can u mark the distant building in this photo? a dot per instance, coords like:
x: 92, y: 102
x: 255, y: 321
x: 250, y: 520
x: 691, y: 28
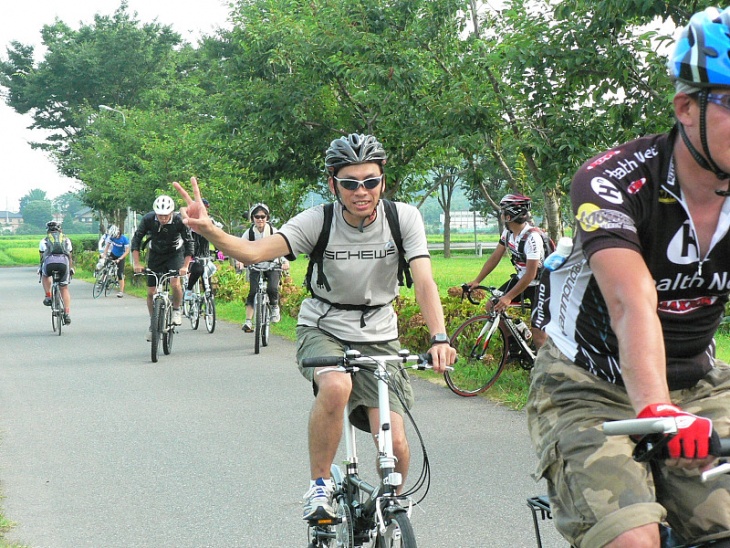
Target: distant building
x: 84, y: 216
x: 9, y: 221
x: 464, y: 221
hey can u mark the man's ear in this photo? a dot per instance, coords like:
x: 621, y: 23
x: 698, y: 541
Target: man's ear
x: 331, y: 183
x: 685, y: 108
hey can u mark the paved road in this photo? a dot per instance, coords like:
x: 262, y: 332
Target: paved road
x: 101, y: 448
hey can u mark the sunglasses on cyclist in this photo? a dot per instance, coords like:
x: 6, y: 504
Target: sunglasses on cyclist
x: 259, y: 216
x: 722, y: 99
x: 353, y: 184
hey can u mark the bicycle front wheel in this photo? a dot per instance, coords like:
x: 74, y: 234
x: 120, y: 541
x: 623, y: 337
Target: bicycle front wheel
x: 157, y: 324
x: 192, y: 310
x: 398, y: 532
x: 168, y: 331
x: 258, y: 330
x: 480, y: 359
x: 266, y: 326
x: 209, y: 312
x: 99, y: 284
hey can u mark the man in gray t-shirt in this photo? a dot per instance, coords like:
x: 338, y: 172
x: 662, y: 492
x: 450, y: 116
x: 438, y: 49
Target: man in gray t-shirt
x: 361, y: 265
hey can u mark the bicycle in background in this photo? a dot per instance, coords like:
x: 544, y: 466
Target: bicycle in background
x: 106, y: 277
x: 485, y: 344
x: 161, y: 326
x: 655, y: 432
x: 201, y: 301
x: 262, y: 307
x: 370, y: 515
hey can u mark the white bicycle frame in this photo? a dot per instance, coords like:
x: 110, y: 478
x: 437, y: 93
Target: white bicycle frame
x: 386, y: 457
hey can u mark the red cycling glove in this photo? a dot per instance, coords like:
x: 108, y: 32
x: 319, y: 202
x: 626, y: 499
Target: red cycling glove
x: 692, y: 440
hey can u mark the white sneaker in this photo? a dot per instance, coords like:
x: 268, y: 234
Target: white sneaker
x: 148, y: 338
x: 275, y: 315
x: 247, y: 327
x: 318, y: 501
x: 177, y: 316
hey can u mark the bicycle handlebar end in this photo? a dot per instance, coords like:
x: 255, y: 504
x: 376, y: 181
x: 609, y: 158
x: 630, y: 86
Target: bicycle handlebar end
x: 323, y: 361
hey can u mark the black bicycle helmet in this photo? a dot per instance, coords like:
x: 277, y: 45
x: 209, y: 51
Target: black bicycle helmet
x: 260, y: 206
x: 515, y: 206
x: 53, y: 226
x: 355, y: 148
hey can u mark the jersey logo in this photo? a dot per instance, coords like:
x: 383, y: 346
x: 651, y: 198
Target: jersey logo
x: 607, y: 190
x: 682, y: 248
x: 591, y: 217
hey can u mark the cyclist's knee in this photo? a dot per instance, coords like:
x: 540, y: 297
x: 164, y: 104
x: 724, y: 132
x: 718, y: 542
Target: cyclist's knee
x: 334, y: 388
x: 646, y: 536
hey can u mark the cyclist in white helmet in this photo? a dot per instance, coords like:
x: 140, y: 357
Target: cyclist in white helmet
x: 262, y: 228
x: 170, y: 247
x: 631, y: 317
x: 355, y: 309
x: 117, y: 248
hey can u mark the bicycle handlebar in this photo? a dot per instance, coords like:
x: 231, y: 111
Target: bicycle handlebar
x: 656, y: 431
x: 466, y: 292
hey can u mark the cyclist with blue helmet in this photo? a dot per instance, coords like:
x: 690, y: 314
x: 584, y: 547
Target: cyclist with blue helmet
x: 631, y: 317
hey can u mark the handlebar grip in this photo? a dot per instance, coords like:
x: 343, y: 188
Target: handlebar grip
x: 724, y: 447
x: 634, y: 427
x: 323, y: 361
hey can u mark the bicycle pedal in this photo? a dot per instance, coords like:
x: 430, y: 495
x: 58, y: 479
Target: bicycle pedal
x: 321, y: 522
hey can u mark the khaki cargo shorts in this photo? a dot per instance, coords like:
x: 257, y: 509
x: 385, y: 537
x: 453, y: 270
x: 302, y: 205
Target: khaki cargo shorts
x: 597, y: 491
x: 312, y: 342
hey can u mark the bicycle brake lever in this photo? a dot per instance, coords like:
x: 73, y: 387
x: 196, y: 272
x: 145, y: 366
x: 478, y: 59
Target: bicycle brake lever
x: 718, y: 470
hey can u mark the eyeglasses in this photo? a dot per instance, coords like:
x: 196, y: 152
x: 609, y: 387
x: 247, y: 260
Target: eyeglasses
x: 722, y: 99
x: 353, y: 184
x: 259, y: 216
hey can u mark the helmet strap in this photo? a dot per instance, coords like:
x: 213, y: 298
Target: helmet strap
x: 706, y: 161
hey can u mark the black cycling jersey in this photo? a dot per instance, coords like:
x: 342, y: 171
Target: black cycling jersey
x: 167, y: 239
x: 629, y: 197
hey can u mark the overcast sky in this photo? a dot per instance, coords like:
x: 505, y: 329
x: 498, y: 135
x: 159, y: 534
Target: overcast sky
x: 25, y: 169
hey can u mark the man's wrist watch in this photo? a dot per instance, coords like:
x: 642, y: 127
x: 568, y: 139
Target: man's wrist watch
x: 440, y: 338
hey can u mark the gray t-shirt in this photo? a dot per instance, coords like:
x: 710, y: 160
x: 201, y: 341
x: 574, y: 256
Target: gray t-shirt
x: 361, y: 268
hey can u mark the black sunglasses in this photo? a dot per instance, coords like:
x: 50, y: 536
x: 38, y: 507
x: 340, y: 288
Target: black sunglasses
x: 259, y: 216
x: 353, y: 184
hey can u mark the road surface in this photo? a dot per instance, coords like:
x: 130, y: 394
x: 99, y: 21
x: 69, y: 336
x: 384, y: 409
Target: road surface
x: 101, y: 448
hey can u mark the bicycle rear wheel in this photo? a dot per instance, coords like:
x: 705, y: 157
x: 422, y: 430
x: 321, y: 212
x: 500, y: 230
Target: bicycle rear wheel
x: 108, y: 285
x: 481, y: 360
x: 168, y: 331
x: 398, y: 532
x: 56, y: 309
x: 157, y: 324
x: 209, y: 312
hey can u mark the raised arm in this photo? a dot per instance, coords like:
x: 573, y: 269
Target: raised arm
x: 196, y: 217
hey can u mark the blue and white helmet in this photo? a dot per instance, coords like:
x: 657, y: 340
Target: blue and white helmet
x: 701, y: 56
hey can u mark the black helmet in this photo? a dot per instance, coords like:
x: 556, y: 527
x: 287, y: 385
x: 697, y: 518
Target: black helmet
x: 53, y: 226
x: 516, y: 206
x: 356, y: 148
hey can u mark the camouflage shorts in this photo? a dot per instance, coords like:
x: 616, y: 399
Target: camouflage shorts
x: 597, y: 491
x: 313, y: 342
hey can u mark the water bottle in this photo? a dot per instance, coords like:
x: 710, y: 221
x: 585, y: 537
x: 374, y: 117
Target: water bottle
x: 556, y: 259
x: 524, y: 329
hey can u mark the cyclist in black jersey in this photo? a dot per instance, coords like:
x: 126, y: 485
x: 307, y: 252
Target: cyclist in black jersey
x: 631, y: 317
x: 170, y: 248
x: 361, y: 263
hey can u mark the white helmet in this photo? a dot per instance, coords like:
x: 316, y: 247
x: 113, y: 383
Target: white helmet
x: 163, y: 205
x: 113, y: 231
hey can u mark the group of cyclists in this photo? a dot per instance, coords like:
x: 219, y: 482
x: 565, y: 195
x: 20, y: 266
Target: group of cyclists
x: 625, y: 326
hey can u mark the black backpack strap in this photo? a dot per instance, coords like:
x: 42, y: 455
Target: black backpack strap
x: 317, y: 254
x: 391, y: 214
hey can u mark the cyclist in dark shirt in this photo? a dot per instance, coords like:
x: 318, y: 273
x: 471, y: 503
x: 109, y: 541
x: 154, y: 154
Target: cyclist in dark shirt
x: 170, y: 248
x: 631, y: 316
